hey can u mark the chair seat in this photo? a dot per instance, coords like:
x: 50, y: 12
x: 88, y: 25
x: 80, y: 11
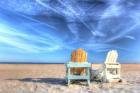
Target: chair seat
x: 112, y: 65
x: 76, y: 64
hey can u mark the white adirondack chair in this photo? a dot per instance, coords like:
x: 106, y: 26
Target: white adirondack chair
x: 111, y: 69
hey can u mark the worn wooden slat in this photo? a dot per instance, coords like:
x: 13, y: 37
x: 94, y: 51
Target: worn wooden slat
x: 75, y: 64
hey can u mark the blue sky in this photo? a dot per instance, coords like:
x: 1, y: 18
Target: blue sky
x: 48, y: 30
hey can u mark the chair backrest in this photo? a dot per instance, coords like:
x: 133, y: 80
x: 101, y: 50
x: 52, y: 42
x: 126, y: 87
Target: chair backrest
x: 79, y: 55
x: 111, y: 57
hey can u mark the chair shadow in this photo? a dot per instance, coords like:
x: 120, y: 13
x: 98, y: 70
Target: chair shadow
x: 54, y: 81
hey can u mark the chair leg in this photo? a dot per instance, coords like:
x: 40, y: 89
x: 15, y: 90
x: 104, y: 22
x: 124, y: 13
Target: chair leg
x: 68, y: 82
x: 69, y: 76
x: 88, y: 81
x: 88, y: 74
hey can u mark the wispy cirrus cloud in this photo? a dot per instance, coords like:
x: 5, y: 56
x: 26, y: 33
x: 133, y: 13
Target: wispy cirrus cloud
x: 26, y: 41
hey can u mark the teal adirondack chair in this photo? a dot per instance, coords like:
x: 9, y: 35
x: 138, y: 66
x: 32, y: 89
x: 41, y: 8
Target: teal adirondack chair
x: 70, y: 76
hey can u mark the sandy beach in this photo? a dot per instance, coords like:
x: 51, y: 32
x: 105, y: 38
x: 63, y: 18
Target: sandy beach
x: 50, y: 78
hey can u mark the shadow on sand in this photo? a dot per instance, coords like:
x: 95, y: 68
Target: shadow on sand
x: 55, y: 81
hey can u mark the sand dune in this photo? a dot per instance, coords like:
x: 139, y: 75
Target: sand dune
x: 50, y: 78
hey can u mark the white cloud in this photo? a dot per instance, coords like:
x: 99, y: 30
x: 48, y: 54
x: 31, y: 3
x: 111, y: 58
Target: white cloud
x: 25, y: 41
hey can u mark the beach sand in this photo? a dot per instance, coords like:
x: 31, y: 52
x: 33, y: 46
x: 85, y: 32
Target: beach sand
x: 50, y: 78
